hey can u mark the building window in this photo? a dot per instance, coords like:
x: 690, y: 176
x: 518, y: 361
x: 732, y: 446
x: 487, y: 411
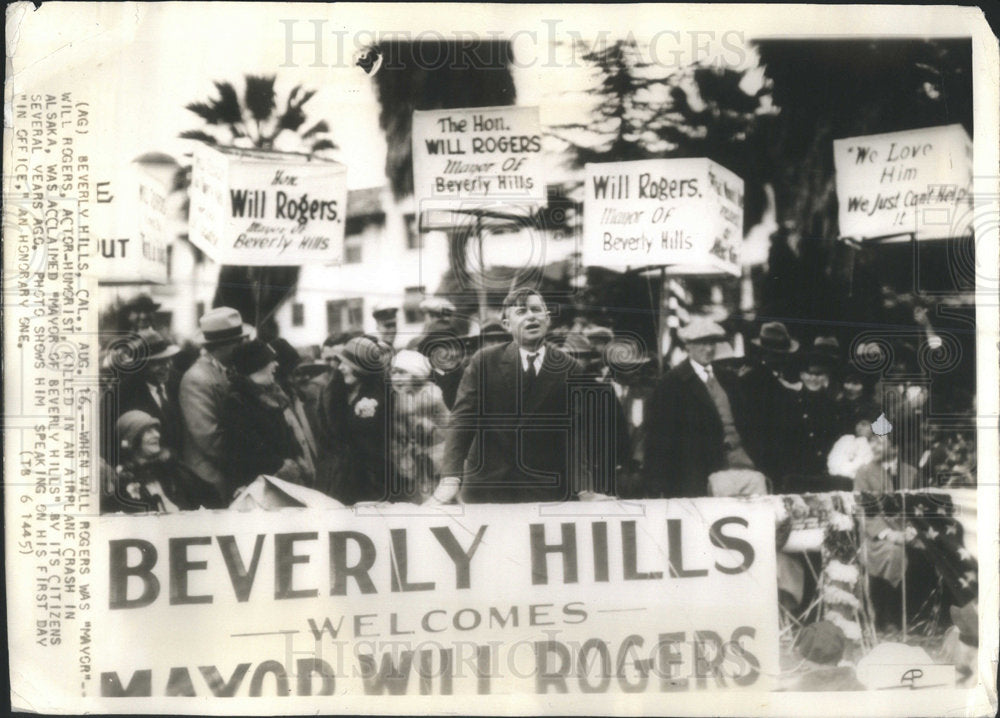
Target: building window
x: 352, y: 250
x: 170, y: 261
x: 344, y: 314
x: 355, y: 313
x: 412, y: 297
x: 298, y: 314
x: 414, y: 239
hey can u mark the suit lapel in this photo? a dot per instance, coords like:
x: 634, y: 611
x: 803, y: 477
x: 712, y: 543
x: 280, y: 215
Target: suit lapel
x: 696, y: 386
x: 510, y: 368
x: 547, y: 379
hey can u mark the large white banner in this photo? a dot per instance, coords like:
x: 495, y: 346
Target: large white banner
x: 473, y: 600
x: 684, y: 213
x: 915, y: 182
x: 267, y: 209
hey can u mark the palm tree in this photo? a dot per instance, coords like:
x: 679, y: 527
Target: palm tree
x: 252, y: 121
x: 254, y: 124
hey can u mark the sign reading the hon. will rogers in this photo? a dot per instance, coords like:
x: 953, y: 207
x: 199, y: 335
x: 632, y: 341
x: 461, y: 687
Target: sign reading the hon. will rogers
x: 267, y: 208
x: 475, y: 156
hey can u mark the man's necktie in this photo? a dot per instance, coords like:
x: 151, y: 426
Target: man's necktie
x: 161, y: 395
x: 529, y: 376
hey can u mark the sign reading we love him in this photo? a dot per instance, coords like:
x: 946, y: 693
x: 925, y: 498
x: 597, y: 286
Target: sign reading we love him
x: 915, y: 182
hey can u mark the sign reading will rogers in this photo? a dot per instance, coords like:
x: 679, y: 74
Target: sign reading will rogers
x: 266, y: 208
x: 687, y: 213
x: 887, y: 183
x: 400, y: 603
x: 483, y: 154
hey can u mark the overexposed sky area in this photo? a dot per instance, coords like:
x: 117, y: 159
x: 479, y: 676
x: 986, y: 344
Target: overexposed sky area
x: 139, y: 64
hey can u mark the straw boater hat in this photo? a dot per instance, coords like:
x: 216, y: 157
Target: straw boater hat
x: 774, y: 338
x: 700, y: 329
x: 221, y: 325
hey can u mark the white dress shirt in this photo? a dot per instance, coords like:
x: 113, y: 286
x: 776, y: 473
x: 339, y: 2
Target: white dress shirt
x: 539, y: 360
x: 703, y: 372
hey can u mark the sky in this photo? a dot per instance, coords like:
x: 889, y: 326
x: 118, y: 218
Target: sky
x: 140, y: 64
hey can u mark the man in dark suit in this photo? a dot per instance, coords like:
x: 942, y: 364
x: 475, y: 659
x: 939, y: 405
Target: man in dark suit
x: 692, y: 429
x: 515, y: 433
x: 770, y: 396
x: 151, y: 389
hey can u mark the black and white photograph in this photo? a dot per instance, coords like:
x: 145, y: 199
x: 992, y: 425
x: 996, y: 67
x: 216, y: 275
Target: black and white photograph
x: 501, y: 359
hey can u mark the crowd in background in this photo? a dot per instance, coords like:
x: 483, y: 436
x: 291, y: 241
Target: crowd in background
x: 365, y: 417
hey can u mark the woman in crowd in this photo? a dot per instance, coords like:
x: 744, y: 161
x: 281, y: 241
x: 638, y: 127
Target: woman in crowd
x: 417, y: 427
x: 256, y: 435
x: 855, y: 402
x: 149, y: 478
x: 352, y: 414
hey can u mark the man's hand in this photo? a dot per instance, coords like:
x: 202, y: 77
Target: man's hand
x: 446, y: 491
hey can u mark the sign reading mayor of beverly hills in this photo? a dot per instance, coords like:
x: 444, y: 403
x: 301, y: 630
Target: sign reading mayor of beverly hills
x: 904, y: 182
x: 677, y: 597
x: 482, y: 155
x: 685, y: 213
x: 267, y: 208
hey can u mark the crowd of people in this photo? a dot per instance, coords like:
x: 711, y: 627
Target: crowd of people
x: 516, y: 411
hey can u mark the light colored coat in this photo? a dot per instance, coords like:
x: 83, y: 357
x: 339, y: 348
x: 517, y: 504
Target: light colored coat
x: 204, y: 388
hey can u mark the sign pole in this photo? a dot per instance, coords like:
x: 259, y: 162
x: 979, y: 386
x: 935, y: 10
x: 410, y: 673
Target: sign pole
x: 255, y: 278
x: 903, y: 618
x: 481, y: 283
x: 659, y: 319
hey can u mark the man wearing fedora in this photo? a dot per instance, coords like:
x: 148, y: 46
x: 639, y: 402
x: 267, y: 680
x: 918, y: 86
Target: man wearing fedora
x: 693, y: 427
x: 151, y: 390
x: 772, y: 401
x: 203, y: 394
x: 513, y: 434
